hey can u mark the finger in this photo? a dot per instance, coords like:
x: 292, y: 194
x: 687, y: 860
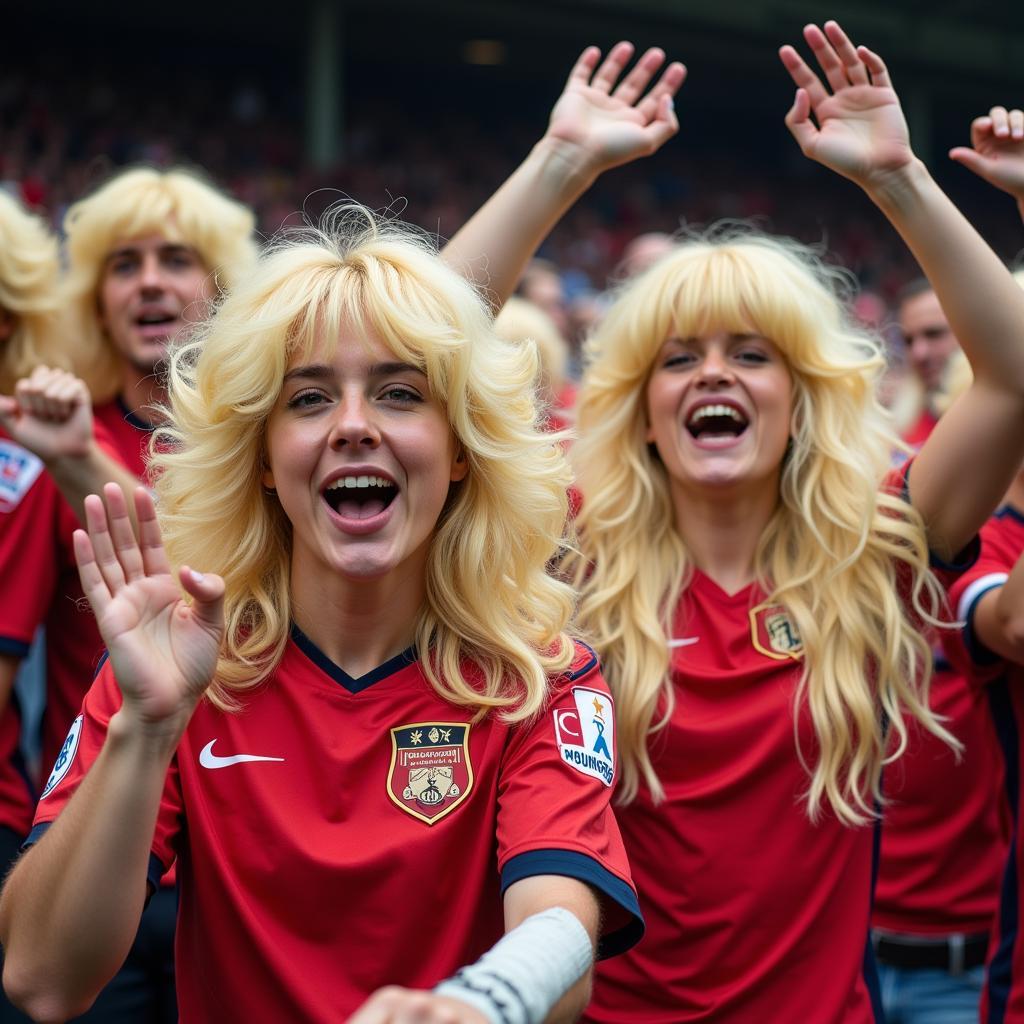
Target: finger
x: 93, y: 585
x: 827, y: 58
x: 122, y: 534
x: 584, y: 67
x: 151, y: 543
x: 799, y: 122
x: 803, y: 76
x: 9, y: 407
x: 631, y: 88
x: 876, y: 67
x: 1000, y: 122
x: 973, y: 161
x: 102, y: 544
x: 664, y: 125
x: 856, y: 72
x: 668, y: 85
x: 1017, y: 124
x: 207, y: 593
x: 981, y: 129
x: 608, y: 73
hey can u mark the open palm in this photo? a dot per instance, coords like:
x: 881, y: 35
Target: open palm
x: 996, y: 152
x: 613, y: 122
x: 860, y: 132
x: 163, y: 649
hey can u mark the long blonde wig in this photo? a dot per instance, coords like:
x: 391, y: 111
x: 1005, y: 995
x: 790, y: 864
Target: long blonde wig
x: 29, y: 279
x: 489, y: 600
x: 178, y: 205
x: 832, y: 552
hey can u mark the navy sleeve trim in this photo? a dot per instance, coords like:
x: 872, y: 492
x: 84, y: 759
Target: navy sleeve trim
x: 103, y: 660
x: 154, y: 870
x: 979, y: 653
x: 17, y: 648
x: 588, y: 666
x: 585, y: 869
x: 37, y: 833
x: 962, y: 560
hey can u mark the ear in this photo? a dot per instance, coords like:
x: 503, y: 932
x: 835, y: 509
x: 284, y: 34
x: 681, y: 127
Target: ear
x: 268, y: 478
x: 460, y: 465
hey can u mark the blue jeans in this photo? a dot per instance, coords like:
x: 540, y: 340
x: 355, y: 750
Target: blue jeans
x: 930, y: 996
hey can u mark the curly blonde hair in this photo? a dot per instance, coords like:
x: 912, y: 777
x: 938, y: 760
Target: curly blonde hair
x: 178, y: 204
x: 489, y: 599
x: 29, y: 280
x: 837, y: 553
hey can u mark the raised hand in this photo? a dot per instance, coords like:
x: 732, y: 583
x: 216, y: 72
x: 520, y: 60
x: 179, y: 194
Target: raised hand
x: 609, y: 124
x: 50, y: 413
x: 996, y: 152
x: 394, y: 1005
x: 163, y: 648
x: 858, y: 129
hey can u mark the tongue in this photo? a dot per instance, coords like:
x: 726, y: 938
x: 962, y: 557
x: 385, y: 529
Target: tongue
x: 352, y: 508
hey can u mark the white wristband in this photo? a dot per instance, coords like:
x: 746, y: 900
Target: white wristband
x: 527, y: 971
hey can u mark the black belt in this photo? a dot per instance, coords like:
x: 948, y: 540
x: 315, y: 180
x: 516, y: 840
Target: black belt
x: 952, y: 953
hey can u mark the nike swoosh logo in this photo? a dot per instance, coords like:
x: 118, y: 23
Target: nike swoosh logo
x: 684, y: 641
x: 208, y: 759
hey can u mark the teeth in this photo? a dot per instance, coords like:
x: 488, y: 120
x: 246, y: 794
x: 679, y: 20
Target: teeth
x: 717, y: 410
x: 351, y: 482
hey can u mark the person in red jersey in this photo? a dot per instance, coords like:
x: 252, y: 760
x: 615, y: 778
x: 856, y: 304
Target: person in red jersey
x: 756, y: 579
x: 365, y: 735
x: 147, y: 252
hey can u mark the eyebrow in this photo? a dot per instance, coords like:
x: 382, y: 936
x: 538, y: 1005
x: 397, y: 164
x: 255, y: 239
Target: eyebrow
x: 319, y: 371
x: 166, y: 247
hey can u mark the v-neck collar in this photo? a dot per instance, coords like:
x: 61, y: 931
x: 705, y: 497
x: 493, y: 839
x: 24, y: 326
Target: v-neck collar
x: 339, y: 675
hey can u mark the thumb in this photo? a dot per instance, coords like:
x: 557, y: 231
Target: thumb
x: 799, y: 122
x: 8, y: 406
x: 207, y: 593
x: 973, y: 161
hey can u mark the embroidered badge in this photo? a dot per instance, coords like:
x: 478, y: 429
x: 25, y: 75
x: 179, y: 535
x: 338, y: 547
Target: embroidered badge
x: 65, y: 758
x: 773, y: 633
x: 430, y: 773
x: 586, y: 734
x: 18, y: 472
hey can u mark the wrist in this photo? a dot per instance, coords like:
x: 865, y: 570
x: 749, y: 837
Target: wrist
x: 899, y: 187
x: 565, y: 165
x: 75, y: 456
x: 149, y: 741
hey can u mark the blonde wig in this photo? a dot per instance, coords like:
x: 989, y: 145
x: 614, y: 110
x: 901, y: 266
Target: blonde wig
x: 489, y: 600
x: 178, y: 205
x: 521, y: 321
x: 831, y: 554
x: 29, y: 278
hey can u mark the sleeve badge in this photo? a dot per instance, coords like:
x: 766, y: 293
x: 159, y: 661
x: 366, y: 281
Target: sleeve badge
x: 586, y: 734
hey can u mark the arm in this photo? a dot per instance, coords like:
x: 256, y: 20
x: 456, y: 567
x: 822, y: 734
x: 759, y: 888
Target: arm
x: 549, y: 974
x: 996, y: 152
x: 999, y: 616
x: 67, y: 916
x: 861, y: 134
x: 594, y: 126
x: 50, y: 414
x: 8, y: 670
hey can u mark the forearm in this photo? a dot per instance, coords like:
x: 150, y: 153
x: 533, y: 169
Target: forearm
x: 983, y: 304
x: 8, y: 670
x: 80, y: 475
x: 71, y: 907
x: 999, y: 616
x: 497, y: 242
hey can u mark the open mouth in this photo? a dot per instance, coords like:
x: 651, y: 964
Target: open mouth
x: 360, y: 497
x: 716, y: 421
x: 156, y: 319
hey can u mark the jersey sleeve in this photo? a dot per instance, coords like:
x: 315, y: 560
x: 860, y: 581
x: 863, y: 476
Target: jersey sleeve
x: 554, y: 800
x: 81, y: 748
x: 30, y: 553
x: 1002, y: 542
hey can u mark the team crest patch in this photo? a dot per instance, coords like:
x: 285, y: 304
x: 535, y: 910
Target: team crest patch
x: 430, y: 773
x: 586, y: 734
x: 65, y: 758
x: 18, y: 472
x: 774, y: 634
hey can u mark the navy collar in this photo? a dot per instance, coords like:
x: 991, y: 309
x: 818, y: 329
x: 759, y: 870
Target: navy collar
x: 339, y: 675
x: 133, y: 418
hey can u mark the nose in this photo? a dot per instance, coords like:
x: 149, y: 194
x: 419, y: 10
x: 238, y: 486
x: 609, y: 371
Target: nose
x: 151, y: 277
x: 714, y: 368
x: 354, y: 424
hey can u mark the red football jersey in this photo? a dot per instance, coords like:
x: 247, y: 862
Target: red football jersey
x: 1002, y: 544
x: 127, y: 433
x: 340, y: 834
x: 753, y: 912
x: 920, y: 430
x: 945, y: 830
